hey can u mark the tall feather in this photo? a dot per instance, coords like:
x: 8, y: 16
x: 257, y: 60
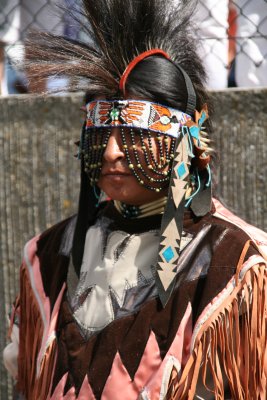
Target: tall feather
x: 117, y: 31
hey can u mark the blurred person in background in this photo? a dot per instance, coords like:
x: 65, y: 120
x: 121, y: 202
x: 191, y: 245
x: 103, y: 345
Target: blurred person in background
x: 251, y: 45
x: 211, y: 18
x: 17, y: 19
x: 9, y: 34
x: 245, y: 22
x: 241, y: 59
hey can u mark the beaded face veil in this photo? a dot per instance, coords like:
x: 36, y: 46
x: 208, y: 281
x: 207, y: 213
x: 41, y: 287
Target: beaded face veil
x: 148, y: 135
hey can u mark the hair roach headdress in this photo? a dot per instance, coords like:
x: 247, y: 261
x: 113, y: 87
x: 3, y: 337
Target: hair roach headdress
x: 122, y: 34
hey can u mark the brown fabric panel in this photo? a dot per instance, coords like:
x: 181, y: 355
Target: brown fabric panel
x: 226, y: 253
x: 50, y: 240
x: 79, y: 356
x: 111, y: 340
x: 209, y: 267
x: 72, y: 349
x: 53, y: 266
x: 167, y: 321
x: 128, y: 336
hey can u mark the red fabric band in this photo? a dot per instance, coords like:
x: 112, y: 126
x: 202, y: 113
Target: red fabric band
x: 135, y: 61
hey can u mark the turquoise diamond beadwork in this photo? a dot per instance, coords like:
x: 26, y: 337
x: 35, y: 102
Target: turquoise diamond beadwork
x: 168, y: 254
x: 181, y: 170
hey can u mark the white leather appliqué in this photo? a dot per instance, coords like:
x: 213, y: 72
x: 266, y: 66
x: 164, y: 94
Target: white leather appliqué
x: 111, y: 267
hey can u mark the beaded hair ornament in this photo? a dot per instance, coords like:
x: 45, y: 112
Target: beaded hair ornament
x: 168, y: 163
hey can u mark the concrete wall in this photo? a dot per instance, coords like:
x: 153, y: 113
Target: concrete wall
x: 39, y: 177
x: 240, y: 134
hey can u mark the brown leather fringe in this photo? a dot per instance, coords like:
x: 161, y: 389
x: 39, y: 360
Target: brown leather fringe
x: 31, y: 333
x: 15, y: 311
x: 231, y: 345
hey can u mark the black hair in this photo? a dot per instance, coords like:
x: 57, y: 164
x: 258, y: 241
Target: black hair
x: 159, y: 79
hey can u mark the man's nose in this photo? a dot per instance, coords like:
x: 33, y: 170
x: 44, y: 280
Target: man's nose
x: 114, y: 150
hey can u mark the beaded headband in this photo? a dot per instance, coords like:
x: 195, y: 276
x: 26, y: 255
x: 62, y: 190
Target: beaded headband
x: 135, y: 114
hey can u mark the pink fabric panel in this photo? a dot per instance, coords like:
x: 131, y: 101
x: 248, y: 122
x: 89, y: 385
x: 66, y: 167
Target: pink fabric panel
x: 119, y: 384
x: 57, y: 395
x: 38, y: 283
x: 255, y: 233
x: 70, y: 395
x: 86, y: 392
x: 51, y: 327
x: 179, y: 349
x: 55, y: 312
x: 44, y: 303
x: 149, y: 364
x: 33, y: 268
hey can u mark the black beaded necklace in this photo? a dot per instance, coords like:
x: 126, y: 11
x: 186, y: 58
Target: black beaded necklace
x: 130, y: 211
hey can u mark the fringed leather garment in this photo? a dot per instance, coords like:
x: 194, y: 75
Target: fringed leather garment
x: 209, y: 340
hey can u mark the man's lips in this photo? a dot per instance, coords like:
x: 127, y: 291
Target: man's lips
x: 115, y: 173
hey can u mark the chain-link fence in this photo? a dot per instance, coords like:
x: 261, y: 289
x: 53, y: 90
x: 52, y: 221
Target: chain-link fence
x: 233, y: 35
x: 20, y: 17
